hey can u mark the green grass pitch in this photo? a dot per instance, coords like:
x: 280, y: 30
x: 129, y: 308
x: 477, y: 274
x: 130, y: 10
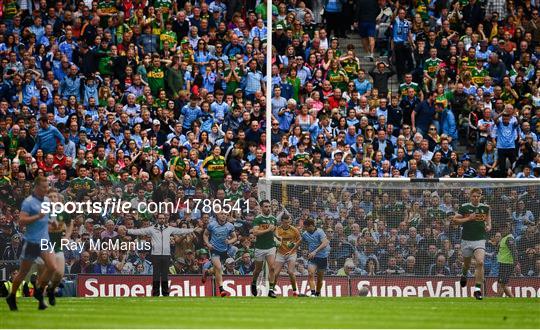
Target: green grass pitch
x: 262, y: 312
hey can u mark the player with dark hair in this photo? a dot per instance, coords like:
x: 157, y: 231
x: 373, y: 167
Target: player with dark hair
x: 475, y: 219
x: 264, y: 225
x: 36, y: 233
x: 507, y: 259
x: 289, y: 238
x: 218, y: 237
x: 318, y: 249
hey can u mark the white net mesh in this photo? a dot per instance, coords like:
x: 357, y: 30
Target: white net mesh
x: 399, y: 227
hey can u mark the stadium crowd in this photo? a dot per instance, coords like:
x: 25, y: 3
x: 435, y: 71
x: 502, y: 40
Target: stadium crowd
x: 136, y: 99
x: 164, y: 101
x: 465, y: 104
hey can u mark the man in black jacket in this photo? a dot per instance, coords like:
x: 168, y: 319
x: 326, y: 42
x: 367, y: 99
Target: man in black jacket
x: 381, y: 73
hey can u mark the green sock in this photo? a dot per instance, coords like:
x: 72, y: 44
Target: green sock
x: 294, y: 286
x: 479, y: 286
x: 464, y: 272
x: 272, y: 286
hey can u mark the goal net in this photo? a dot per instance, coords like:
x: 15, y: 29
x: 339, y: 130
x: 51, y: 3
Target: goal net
x: 391, y: 231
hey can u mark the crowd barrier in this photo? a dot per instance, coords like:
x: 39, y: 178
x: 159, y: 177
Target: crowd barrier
x: 89, y: 285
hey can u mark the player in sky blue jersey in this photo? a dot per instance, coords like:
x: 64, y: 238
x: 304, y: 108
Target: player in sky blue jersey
x: 37, y: 233
x: 218, y: 237
x: 319, y: 249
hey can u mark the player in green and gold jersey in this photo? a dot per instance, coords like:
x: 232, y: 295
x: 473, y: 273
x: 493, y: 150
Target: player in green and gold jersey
x: 475, y: 220
x: 264, y: 225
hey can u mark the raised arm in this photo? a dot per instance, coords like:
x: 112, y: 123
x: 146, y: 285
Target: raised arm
x: 141, y: 231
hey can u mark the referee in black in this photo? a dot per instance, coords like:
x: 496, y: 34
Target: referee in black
x: 161, y: 251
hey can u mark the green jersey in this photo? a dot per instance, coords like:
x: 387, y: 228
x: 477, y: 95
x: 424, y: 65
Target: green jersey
x: 436, y: 214
x: 215, y: 167
x: 295, y: 82
x: 11, y: 8
x: 169, y: 36
x: 232, y: 84
x: 81, y: 186
x: 505, y: 255
x: 107, y: 7
x: 301, y: 157
x: 156, y: 79
x: 431, y: 66
x: 474, y: 230
x: 163, y: 4
x: 337, y: 79
x: 265, y: 241
x: 56, y: 236
x: 233, y: 195
x: 478, y: 76
x: 351, y: 66
x: 262, y: 10
x: 179, y: 166
x: 467, y: 64
x: 100, y: 163
x: 104, y: 65
x: 403, y: 88
x: 56, y: 239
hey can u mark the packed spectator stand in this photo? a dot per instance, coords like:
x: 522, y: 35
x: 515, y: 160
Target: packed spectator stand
x: 165, y: 101
x: 418, y: 89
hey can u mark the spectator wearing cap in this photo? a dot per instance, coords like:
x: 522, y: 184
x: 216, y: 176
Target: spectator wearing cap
x: 157, y: 132
x: 14, y: 248
x: 468, y: 171
x: 229, y: 268
x: 279, y: 39
x: 336, y: 167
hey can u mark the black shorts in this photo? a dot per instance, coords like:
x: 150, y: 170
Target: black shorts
x: 221, y: 255
x: 367, y: 29
x: 505, y: 271
x: 320, y: 263
x: 30, y: 251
